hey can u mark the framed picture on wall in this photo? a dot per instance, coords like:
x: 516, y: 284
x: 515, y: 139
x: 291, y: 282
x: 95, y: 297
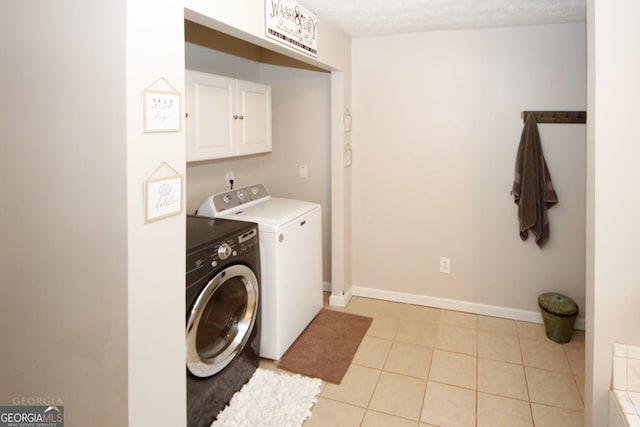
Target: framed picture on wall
x: 163, y: 196
x: 162, y: 111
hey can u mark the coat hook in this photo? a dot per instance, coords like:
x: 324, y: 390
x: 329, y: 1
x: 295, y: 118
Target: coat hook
x: 557, y: 116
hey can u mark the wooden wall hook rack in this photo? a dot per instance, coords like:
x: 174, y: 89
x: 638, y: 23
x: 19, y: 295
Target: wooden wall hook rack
x: 557, y: 116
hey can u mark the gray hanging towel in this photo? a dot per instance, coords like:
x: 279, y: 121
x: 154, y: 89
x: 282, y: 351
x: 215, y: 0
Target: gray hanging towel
x: 532, y: 188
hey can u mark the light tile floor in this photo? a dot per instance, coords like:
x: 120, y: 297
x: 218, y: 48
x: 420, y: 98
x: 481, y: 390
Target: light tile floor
x: 423, y: 367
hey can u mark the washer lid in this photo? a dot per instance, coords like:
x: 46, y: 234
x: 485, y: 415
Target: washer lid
x: 274, y: 213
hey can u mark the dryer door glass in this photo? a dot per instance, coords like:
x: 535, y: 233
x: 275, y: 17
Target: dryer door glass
x: 221, y: 320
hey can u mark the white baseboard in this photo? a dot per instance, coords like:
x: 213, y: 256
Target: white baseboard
x: 340, y: 300
x: 457, y: 305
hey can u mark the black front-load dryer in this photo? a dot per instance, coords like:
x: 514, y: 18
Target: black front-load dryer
x: 223, y: 312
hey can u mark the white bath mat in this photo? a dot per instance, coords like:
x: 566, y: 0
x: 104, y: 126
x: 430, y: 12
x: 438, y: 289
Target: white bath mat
x: 271, y: 400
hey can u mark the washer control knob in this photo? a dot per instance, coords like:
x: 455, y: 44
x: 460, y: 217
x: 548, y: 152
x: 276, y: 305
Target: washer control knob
x: 226, y: 198
x: 224, y: 251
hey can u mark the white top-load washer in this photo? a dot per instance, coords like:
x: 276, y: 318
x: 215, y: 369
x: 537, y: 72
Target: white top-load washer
x: 290, y: 258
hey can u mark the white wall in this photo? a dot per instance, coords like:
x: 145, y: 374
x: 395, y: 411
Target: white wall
x: 92, y: 299
x: 436, y: 127
x: 63, y: 256
x: 155, y: 251
x: 613, y: 285
x: 64, y: 243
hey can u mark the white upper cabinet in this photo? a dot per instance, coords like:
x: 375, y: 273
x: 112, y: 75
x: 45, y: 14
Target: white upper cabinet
x: 226, y: 117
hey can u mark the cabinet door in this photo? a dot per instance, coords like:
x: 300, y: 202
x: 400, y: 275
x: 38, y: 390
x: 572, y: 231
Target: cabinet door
x: 211, y: 106
x: 254, y: 105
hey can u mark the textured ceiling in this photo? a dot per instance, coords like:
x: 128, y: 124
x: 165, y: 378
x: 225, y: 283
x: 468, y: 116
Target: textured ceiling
x: 360, y: 18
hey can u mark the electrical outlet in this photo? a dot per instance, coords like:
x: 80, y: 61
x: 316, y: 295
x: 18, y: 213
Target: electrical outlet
x: 445, y: 265
x: 303, y: 171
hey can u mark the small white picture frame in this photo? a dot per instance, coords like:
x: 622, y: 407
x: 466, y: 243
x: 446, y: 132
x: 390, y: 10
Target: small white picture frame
x: 163, y: 198
x: 161, y: 111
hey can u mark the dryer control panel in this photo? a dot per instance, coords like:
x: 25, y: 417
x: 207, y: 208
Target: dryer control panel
x: 232, y: 201
x: 232, y: 247
x: 202, y: 262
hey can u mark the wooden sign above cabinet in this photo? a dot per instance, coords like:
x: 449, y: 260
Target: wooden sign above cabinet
x: 226, y: 117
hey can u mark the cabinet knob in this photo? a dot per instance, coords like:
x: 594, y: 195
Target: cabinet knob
x: 235, y: 117
x: 241, y: 117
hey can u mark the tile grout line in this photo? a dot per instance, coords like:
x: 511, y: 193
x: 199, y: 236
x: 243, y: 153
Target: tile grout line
x: 426, y: 386
x: 526, y: 378
x: 573, y: 374
x: 477, y: 375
